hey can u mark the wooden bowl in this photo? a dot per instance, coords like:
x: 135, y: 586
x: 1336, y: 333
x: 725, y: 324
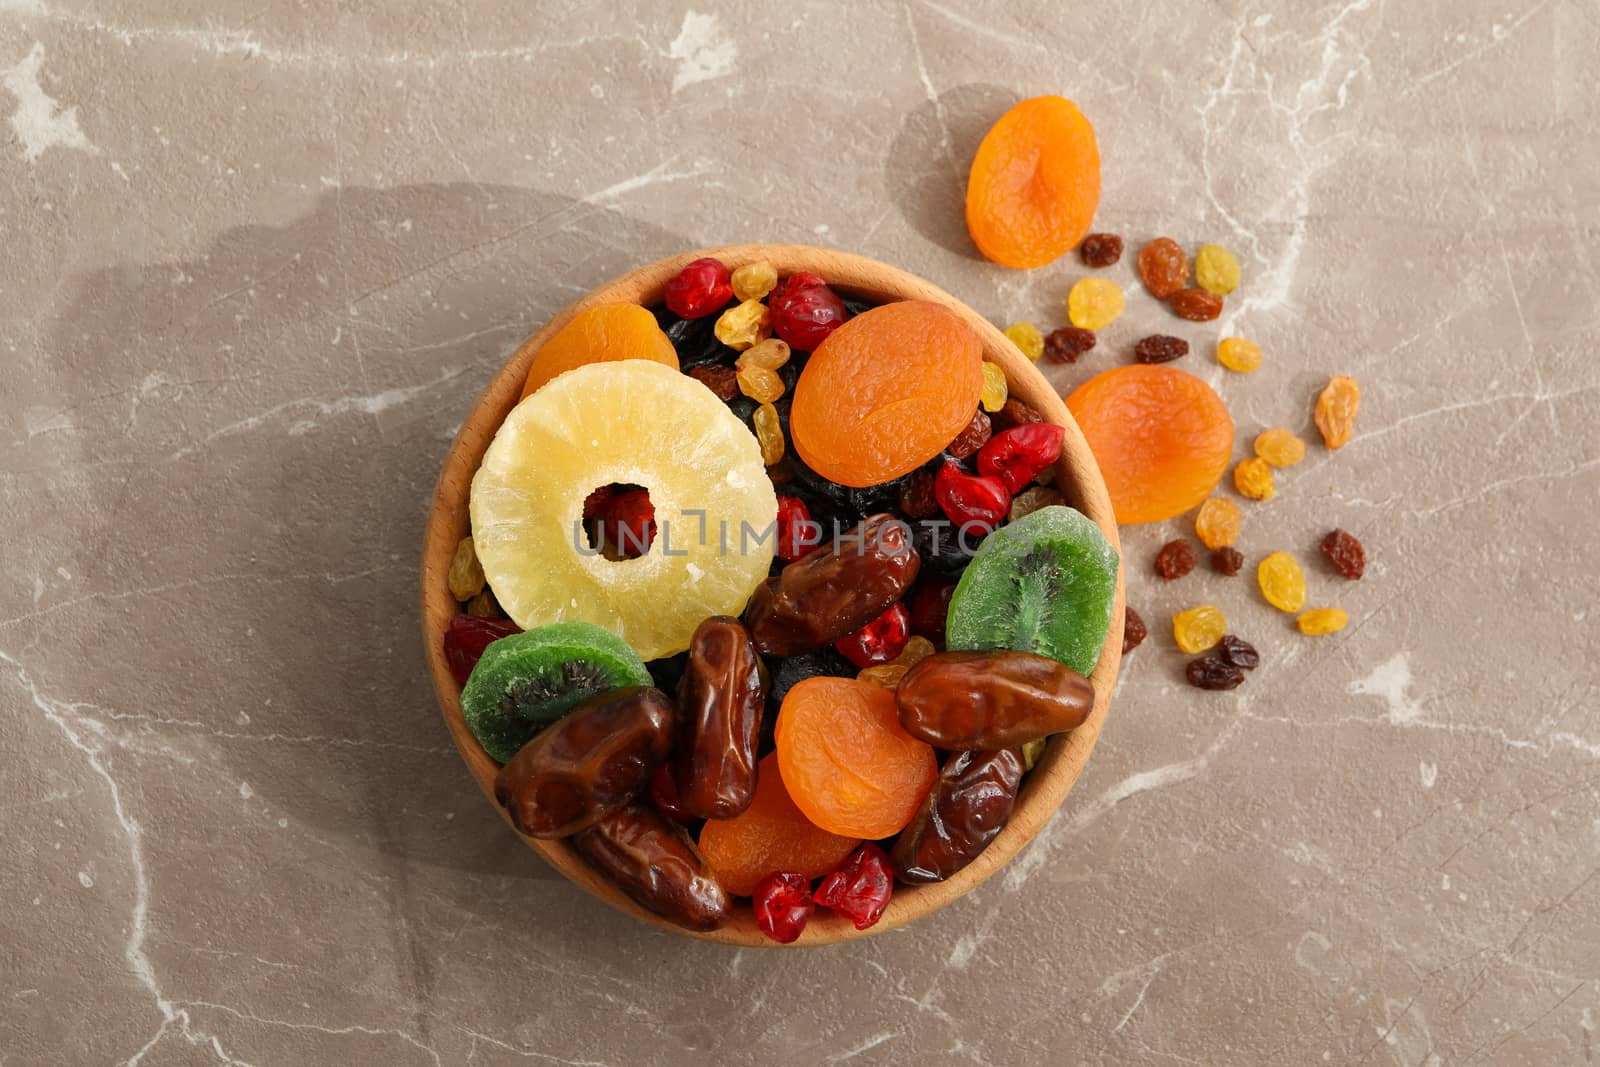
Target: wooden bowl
x: 1077, y: 476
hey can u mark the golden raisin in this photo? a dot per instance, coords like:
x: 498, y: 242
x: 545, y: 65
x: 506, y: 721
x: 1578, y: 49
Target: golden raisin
x: 1322, y: 621
x: 1336, y: 411
x: 1253, y: 478
x: 994, y: 391
x: 1279, y: 447
x: 918, y: 648
x: 1027, y: 338
x: 1239, y: 354
x: 1282, y: 582
x: 887, y: 675
x: 771, y: 354
x: 1216, y: 269
x: 466, y: 573
x: 485, y: 606
x: 769, y: 434
x: 1094, y: 303
x: 744, y: 324
x: 1163, y: 267
x: 1198, y: 628
x: 760, y: 384
x: 1217, y: 523
x: 754, y: 280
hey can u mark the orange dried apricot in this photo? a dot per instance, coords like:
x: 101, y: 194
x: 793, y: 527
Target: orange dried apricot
x: 846, y: 760
x: 1034, y: 184
x: 885, y: 392
x: 601, y: 334
x: 1162, y: 438
x: 770, y: 835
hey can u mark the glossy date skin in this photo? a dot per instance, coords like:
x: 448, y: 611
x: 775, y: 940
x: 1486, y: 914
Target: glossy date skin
x: 721, y: 698
x: 963, y: 812
x: 835, y: 589
x: 652, y: 859
x: 588, y: 763
x: 999, y: 699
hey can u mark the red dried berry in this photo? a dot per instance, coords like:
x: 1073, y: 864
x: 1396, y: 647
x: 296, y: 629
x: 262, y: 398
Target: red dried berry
x: 930, y: 607
x: 467, y: 637
x: 974, y: 437
x: 916, y: 495
x: 783, y: 905
x: 721, y: 380
x: 1014, y: 413
x: 1176, y: 558
x: 1019, y: 455
x: 664, y: 795
x: 1133, y: 630
x: 1239, y: 652
x: 804, y: 311
x: 1345, y: 553
x: 1227, y: 560
x: 880, y: 640
x: 971, y: 500
x: 1100, y: 250
x: 595, y: 504
x: 797, y: 532
x: 1068, y: 343
x: 699, y: 289
x: 860, y: 888
x: 1213, y: 672
x: 1160, y: 348
x: 1196, y: 305
x: 628, y: 523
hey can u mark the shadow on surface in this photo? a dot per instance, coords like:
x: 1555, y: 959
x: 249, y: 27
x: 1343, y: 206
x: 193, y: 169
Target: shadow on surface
x: 925, y: 174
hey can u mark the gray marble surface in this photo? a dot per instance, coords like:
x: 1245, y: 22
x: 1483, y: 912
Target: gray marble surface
x: 260, y: 258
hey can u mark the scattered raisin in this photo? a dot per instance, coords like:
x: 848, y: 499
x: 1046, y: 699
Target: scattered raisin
x: 1068, y: 343
x: 974, y: 437
x: 1253, y: 478
x: 1160, y: 348
x: 1163, y: 267
x: 1345, y: 553
x: 1213, y: 672
x: 724, y: 381
x: 1133, y: 630
x: 1280, y: 447
x: 1239, y: 652
x: 916, y: 496
x: 1320, y: 621
x: 1199, y: 628
x: 1336, y: 411
x: 1175, y: 559
x: 1014, y: 413
x: 1100, y: 249
x: 1196, y: 305
x: 1217, y: 522
x: 1227, y: 560
x: 1282, y: 582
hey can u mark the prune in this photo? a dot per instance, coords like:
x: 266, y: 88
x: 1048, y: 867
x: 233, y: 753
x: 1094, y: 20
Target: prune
x: 943, y: 546
x: 1100, y: 250
x: 1239, y: 652
x: 994, y: 699
x: 652, y: 859
x: 1068, y: 343
x: 1160, y: 348
x: 695, y: 339
x: 589, y: 763
x: 1345, y: 553
x: 720, y: 701
x: 974, y: 437
x: 1176, y: 559
x: 964, y: 811
x: 1133, y: 630
x: 1213, y: 672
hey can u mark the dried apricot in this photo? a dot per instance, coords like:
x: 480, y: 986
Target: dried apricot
x: 1253, y: 478
x: 1319, y: 621
x: 885, y: 392
x: 1282, y: 582
x: 770, y: 835
x: 1027, y: 338
x: 601, y: 334
x: 1239, y: 354
x: 1336, y: 411
x: 1094, y: 303
x: 1034, y: 184
x: 1162, y: 438
x: 1198, y: 628
x: 1163, y: 267
x: 1279, y: 447
x: 1217, y: 523
x: 847, y: 762
x: 1215, y: 269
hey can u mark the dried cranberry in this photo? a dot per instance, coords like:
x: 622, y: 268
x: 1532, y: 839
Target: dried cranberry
x: 1133, y: 630
x: 595, y: 504
x: 974, y: 437
x: 664, y: 795
x: 930, y: 607
x: 971, y: 499
x: 1239, y: 652
x: 860, y: 888
x: 699, y: 289
x: 1175, y: 559
x: 628, y: 524
x: 1345, y: 553
x: 1068, y: 343
x: 797, y: 533
x: 1160, y: 348
x: 880, y: 640
x: 466, y: 639
x: 1019, y: 455
x: 782, y: 904
x: 804, y: 311
x: 916, y: 495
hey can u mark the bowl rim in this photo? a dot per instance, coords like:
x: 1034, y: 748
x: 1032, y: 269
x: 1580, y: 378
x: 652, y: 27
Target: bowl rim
x: 1044, y: 788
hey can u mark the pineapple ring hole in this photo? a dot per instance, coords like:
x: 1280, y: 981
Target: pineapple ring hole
x: 620, y: 540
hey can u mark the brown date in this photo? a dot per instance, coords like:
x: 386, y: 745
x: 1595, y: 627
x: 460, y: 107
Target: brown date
x: 652, y: 859
x: 965, y: 809
x: 720, y: 700
x: 588, y: 763
x: 835, y: 589
x: 1000, y: 699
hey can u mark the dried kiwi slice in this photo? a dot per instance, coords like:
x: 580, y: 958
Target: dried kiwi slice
x: 526, y: 681
x: 1044, y: 584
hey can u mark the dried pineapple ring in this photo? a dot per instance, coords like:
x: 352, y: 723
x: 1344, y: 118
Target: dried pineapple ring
x: 632, y: 422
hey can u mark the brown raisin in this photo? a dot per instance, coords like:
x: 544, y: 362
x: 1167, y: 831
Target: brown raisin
x: 781, y: 472
x: 1227, y: 560
x: 1133, y: 630
x: 1239, y: 652
x: 1175, y: 559
x: 917, y: 500
x: 1163, y: 267
x: 974, y: 437
x: 1100, y: 249
x: 1213, y: 672
x: 1160, y: 348
x: 1345, y: 553
x: 1196, y: 305
x: 1068, y: 343
x: 1014, y: 413
x: 724, y: 381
